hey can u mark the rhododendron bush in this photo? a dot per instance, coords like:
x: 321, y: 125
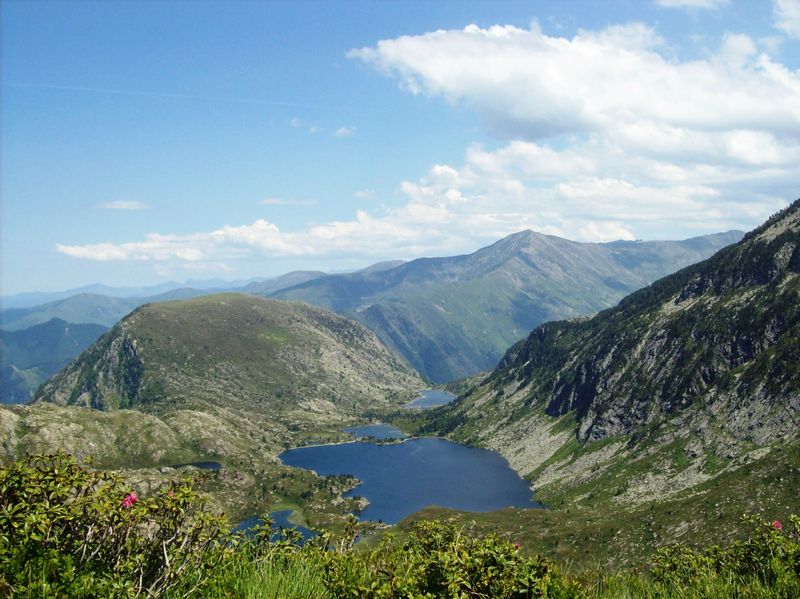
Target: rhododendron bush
x: 67, y: 530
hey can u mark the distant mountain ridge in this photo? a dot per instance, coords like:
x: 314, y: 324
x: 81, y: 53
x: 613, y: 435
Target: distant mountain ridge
x: 36, y: 298
x: 92, y: 305
x: 696, y: 373
x: 31, y: 356
x: 455, y: 316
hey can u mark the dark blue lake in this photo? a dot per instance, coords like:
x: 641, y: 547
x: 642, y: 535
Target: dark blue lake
x: 403, y: 478
x: 431, y: 398
x: 378, y: 431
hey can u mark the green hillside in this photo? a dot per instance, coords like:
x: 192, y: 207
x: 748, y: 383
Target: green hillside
x: 453, y: 317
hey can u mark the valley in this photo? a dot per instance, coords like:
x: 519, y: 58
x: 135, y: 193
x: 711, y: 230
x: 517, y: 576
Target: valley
x: 624, y: 424
x: 400, y: 300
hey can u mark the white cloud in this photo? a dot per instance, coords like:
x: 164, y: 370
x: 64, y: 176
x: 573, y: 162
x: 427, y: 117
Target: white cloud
x: 365, y: 194
x: 282, y: 202
x: 345, y: 131
x: 787, y: 16
x: 604, y: 135
x: 125, y: 205
x: 692, y: 4
x: 528, y: 85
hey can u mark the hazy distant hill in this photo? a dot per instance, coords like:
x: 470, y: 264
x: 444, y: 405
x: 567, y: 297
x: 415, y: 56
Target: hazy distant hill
x: 288, y: 280
x: 455, y: 316
x: 84, y: 306
x: 30, y: 356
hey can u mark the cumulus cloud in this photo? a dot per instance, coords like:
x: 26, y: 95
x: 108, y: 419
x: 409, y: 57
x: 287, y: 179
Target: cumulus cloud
x: 529, y: 85
x: 605, y: 135
x: 124, y: 205
x: 787, y: 16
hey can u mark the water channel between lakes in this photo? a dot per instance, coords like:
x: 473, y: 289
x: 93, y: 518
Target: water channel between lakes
x: 399, y: 479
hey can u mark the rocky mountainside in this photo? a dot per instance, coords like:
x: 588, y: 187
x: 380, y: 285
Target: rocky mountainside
x: 699, y: 368
x: 235, y: 351
x: 31, y: 356
x: 455, y: 316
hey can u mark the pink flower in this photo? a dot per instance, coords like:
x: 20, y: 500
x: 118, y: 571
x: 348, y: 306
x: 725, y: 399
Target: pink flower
x: 777, y: 525
x: 517, y: 546
x: 130, y: 499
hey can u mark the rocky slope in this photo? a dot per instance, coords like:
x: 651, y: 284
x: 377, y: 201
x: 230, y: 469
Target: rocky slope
x: 455, y: 316
x: 693, y: 375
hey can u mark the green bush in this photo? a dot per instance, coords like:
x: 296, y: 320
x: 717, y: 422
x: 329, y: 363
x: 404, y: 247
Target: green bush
x: 67, y: 530
x: 769, y: 557
x: 441, y: 560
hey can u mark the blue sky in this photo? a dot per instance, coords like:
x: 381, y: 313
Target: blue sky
x: 151, y: 141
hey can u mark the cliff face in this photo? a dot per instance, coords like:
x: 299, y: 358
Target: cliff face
x: 709, y: 355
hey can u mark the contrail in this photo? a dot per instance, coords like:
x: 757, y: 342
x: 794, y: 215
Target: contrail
x: 152, y: 94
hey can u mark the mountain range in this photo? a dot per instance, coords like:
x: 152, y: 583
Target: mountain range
x: 30, y: 356
x: 448, y: 317
x: 455, y: 316
x: 694, y: 376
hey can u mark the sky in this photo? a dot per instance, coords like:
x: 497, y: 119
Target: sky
x: 143, y: 142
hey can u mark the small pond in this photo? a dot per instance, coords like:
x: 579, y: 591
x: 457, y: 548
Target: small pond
x: 280, y: 519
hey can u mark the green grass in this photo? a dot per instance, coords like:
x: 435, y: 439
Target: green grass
x: 253, y: 578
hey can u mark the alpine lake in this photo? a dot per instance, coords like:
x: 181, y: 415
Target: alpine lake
x: 401, y: 475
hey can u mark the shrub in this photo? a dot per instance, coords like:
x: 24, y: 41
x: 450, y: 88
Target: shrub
x: 441, y: 560
x: 770, y: 556
x: 68, y: 530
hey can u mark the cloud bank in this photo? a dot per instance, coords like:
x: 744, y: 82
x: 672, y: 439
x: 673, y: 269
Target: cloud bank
x: 602, y: 136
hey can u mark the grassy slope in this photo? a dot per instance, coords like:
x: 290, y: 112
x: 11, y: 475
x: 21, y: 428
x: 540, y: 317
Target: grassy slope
x: 660, y: 420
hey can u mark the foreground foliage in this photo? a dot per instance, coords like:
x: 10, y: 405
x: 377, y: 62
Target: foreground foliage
x: 69, y: 531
